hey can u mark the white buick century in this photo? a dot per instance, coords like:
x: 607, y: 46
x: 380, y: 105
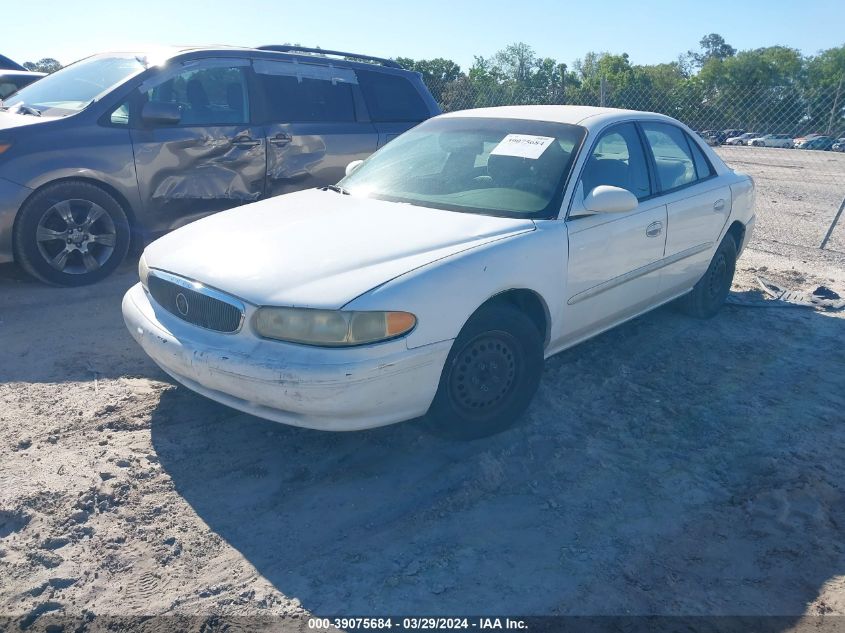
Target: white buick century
x: 437, y: 276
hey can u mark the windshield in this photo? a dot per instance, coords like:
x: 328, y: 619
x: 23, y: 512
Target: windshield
x: 506, y: 167
x: 73, y: 88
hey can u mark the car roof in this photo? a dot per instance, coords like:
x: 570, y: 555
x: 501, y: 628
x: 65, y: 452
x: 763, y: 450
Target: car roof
x: 360, y: 60
x: 19, y: 73
x: 591, y: 117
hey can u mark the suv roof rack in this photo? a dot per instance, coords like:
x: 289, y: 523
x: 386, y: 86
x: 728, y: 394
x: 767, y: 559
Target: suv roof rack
x: 286, y: 48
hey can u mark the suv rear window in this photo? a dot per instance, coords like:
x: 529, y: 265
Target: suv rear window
x: 391, y: 97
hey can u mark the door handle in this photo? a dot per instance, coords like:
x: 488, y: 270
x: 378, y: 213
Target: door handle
x: 281, y: 139
x: 242, y: 140
x: 719, y: 205
x: 654, y: 229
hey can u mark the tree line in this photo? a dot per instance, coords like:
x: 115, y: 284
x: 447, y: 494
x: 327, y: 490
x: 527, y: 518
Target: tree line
x: 771, y: 89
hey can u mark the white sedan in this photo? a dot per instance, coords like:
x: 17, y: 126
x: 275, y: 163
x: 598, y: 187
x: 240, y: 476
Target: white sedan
x: 438, y: 275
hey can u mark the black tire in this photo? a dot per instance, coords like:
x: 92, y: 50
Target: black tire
x: 490, y: 376
x: 709, y: 294
x: 71, y: 233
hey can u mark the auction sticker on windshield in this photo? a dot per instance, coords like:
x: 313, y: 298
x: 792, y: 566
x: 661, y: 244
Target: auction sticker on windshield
x: 522, y: 145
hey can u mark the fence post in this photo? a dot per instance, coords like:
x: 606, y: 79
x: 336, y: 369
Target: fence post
x: 602, y: 90
x: 833, y: 224
x: 835, y: 103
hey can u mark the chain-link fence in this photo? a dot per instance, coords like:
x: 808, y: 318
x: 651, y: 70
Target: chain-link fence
x: 787, y: 137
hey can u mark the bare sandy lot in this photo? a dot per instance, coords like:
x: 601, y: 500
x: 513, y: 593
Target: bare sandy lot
x: 670, y: 466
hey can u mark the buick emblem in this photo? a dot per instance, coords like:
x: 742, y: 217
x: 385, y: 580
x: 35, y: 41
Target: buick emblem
x: 182, y: 304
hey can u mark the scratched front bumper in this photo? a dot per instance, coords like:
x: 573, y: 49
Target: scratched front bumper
x: 329, y: 389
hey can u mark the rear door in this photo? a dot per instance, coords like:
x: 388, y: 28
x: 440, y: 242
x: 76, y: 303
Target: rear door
x: 314, y: 122
x: 614, y: 258
x: 393, y: 101
x: 698, y: 204
x: 213, y: 159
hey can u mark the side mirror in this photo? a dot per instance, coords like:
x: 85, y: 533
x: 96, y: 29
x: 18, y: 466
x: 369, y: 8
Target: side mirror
x: 160, y: 113
x: 355, y: 164
x: 607, y: 199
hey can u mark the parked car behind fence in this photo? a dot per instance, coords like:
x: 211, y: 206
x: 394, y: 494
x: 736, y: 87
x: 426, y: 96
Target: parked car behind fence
x: 772, y: 140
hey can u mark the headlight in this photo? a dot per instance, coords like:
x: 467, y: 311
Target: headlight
x: 143, y: 271
x: 331, y: 328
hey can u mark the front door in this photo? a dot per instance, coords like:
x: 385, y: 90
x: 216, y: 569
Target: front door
x: 213, y: 158
x: 614, y: 258
x: 314, y: 122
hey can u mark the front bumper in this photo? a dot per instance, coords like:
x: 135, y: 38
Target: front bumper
x: 328, y: 389
x: 12, y: 196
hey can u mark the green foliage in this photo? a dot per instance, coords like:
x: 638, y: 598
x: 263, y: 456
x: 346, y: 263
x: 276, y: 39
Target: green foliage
x: 46, y: 65
x: 772, y: 89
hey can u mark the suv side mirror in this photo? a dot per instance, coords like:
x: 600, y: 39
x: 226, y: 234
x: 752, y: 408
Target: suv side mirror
x: 607, y: 199
x: 160, y: 113
x: 355, y: 164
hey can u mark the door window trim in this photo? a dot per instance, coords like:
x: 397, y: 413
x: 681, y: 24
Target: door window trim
x: 188, y: 65
x: 650, y: 152
x: 650, y: 168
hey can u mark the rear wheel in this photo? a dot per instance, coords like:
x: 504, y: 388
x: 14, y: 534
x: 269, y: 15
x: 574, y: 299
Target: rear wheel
x: 709, y: 294
x: 71, y: 234
x: 490, y: 376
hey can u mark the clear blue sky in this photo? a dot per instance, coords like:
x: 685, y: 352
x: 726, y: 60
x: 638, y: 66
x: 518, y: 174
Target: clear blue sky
x: 649, y: 32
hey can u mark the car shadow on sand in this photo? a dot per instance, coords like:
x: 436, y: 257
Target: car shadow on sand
x: 54, y: 334
x: 669, y: 466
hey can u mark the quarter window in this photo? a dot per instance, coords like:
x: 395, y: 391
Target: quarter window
x: 702, y: 165
x: 672, y: 155
x: 206, y: 96
x: 618, y: 159
x: 391, y: 97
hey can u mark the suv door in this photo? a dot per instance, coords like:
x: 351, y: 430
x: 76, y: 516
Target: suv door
x: 698, y: 204
x: 213, y: 158
x: 614, y: 258
x: 314, y: 123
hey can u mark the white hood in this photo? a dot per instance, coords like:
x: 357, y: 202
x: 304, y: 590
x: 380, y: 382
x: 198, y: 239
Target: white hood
x: 318, y: 248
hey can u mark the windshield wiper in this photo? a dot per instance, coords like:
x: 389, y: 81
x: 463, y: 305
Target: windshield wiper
x: 22, y: 108
x: 337, y: 189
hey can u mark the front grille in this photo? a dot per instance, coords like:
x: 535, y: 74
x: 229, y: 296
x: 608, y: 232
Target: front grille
x: 195, y: 306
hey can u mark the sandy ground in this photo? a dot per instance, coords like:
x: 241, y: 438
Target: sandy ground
x: 670, y: 466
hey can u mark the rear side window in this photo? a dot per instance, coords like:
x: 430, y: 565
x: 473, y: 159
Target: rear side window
x: 391, y: 97
x: 672, y: 154
x: 299, y: 98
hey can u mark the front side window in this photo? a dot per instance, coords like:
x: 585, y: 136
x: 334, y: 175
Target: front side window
x: 75, y: 87
x: 503, y: 167
x: 672, y: 155
x: 215, y: 95
x: 618, y: 160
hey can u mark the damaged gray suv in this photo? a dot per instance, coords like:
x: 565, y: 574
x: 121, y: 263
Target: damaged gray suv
x: 123, y: 147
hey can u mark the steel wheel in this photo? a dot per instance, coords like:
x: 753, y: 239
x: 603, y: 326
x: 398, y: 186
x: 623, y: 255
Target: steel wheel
x: 491, y: 374
x: 485, y: 373
x: 717, y: 276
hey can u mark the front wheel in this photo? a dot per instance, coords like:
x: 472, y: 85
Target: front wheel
x: 71, y: 234
x: 490, y: 376
x: 709, y: 294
